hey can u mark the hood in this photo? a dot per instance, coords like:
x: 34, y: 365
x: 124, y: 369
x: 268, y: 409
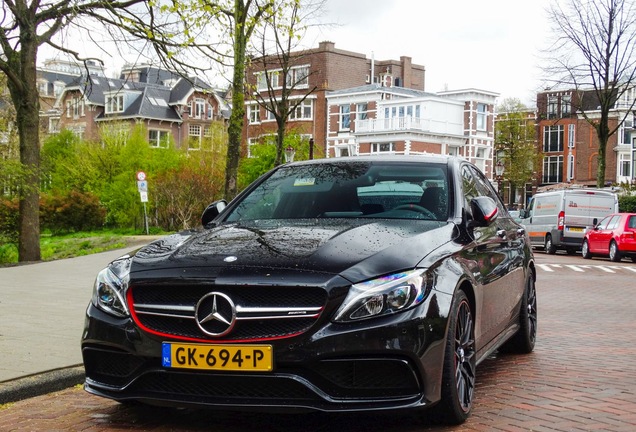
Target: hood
x: 356, y: 249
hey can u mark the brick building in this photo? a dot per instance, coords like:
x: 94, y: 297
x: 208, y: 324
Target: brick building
x: 569, y: 145
x: 185, y: 111
x: 319, y: 71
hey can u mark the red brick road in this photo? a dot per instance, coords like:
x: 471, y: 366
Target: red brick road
x: 580, y: 378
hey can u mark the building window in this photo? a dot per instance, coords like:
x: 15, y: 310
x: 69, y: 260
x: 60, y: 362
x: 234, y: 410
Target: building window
x: 194, y: 132
x: 43, y: 88
x: 570, y: 167
x: 78, y: 108
x: 552, y: 106
x: 198, y: 108
x: 254, y: 114
x: 481, y: 117
x: 382, y: 148
x: 361, y: 111
x: 553, y: 139
x: 304, y: 111
x: 571, y: 137
x: 298, y: 77
x: 69, y: 107
x: 261, y: 81
x: 114, y: 104
x: 58, y: 88
x: 566, y: 106
x: 552, y: 169
x: 624, y: 165
x: 345, y: 117
x: 158, y: 138
x: 251, y: 142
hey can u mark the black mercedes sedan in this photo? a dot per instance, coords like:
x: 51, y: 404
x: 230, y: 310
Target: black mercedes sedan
x: 334, y: 285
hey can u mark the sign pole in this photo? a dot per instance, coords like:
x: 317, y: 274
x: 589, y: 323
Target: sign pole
x: 142, y: 186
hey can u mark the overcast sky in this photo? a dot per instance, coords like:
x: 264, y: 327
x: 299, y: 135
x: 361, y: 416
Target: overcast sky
x: 490, y: 45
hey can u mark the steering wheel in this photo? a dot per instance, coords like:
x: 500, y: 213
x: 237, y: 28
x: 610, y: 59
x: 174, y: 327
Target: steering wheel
x: 418, y: 209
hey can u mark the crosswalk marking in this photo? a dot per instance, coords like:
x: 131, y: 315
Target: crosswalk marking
x: 581, y: 268
x: 575, y: 268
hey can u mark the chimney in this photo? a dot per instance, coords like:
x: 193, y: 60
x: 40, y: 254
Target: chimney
x: 407, y: 71
x: 326, y: 46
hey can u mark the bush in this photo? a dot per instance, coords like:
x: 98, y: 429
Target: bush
x: 9, y: 220
x: 73, y: 211
x: 627, y: 203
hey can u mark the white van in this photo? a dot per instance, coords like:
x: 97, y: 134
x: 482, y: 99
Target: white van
x: 558, y: 219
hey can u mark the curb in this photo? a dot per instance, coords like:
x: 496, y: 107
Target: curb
x: 39, y: 384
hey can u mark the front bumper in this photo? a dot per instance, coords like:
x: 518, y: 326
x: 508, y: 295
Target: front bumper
x: 385, y: 363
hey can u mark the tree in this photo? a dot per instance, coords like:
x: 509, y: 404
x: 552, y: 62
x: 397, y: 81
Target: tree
x: 515, y: 144
x: 283, y: 80
x: 594, y: 53
x: 25, y: 28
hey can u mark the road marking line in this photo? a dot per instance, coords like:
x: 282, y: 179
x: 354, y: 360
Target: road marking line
x: 629, y: 268
x: 575, y: 268
x: 606, y: 269
x: 545, y: 267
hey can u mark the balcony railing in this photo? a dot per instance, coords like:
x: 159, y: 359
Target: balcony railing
x: 407, y: 123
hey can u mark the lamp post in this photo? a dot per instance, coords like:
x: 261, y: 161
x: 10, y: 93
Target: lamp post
x: 499, y: 170
x: 289, y: 154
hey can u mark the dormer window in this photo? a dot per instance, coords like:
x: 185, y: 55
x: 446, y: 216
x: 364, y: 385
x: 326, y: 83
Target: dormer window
x: 114, y: 104
x: 43, y: 88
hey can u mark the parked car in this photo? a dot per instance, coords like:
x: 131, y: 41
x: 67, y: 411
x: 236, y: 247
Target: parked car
x: 335, y: 285
x: 516, y: 215
x: 614, y: 236
x: 558, y: 219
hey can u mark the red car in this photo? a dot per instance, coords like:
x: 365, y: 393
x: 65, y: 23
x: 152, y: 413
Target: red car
x: 614, y: 236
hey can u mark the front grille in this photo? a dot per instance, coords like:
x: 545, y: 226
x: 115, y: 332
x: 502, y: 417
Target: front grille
x: 112, y: 367
x: 368, y: 378
x: 361, y: 380
x: 206, y: 388
x: 261, y: 312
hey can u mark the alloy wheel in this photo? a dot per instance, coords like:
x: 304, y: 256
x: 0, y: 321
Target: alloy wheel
x: 465, y: 357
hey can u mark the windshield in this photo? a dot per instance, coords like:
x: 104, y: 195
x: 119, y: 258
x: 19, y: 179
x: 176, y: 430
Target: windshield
x: 352, y: 189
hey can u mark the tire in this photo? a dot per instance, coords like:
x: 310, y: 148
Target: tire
x: 549, y: 246
x: 614, y: 253
x: 585, y: 250
x: 458, y: 382
x: 523, y: 341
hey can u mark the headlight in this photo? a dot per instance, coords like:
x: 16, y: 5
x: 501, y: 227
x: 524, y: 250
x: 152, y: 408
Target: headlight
x: 110, y: 287
x: 385, y: 295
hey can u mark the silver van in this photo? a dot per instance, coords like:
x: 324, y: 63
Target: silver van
x: 558, y: 219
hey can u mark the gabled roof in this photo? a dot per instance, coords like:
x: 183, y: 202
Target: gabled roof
x: 152, y: 101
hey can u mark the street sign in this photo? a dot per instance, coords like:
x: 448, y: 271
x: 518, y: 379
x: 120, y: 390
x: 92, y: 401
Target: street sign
x: 142, y: 186
x: 141, y: 176
x: 144, y: 196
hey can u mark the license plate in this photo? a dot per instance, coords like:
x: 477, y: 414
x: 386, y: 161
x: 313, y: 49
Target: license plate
x: 575, y: 229
x: 256, y: 358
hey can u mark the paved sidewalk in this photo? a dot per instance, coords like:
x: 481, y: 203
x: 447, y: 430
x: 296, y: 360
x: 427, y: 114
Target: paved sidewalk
x: 42, y: 308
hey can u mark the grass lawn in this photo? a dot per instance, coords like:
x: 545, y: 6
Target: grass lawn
x: 54, y: 247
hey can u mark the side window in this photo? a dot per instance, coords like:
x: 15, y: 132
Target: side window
x: 632, y: 222
x: 603, y: 223
x: 614, y: 222
x: 469, y: 186
x: 484, y: 188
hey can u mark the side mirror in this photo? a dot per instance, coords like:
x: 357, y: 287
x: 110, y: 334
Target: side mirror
x: 523, y: 214
x: 594, y: 222
x: 212, y: 211
x: 484, y: 210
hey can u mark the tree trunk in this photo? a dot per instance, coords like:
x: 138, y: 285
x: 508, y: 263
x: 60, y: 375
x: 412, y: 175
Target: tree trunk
x: 26, y: 102
x: 235, y: 128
